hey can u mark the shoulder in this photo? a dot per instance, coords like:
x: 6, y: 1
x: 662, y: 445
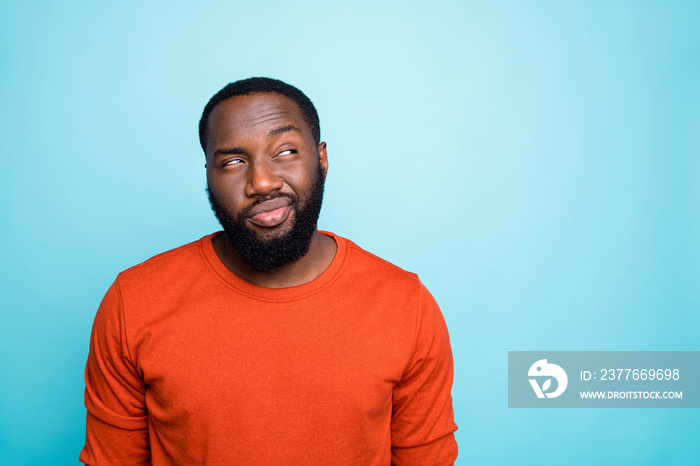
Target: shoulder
x: 169, y: 267
x: 144, y: 293
x: 182, y: 253
x: 370, y: 267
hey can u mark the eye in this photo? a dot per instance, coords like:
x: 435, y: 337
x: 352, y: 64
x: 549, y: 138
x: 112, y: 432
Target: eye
x: 231, y: 162
x: 287, y: 152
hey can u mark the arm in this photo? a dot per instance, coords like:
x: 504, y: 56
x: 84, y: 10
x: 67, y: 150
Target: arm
x: 422, y: 422
x: 117, y: 419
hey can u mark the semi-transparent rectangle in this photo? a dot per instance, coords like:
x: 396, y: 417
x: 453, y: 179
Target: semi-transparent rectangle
x: 604, y: 379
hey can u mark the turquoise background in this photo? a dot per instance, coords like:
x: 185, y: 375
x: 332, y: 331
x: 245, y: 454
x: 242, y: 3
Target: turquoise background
x: 536, y: 163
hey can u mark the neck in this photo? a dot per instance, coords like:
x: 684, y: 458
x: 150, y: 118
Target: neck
x: 321, y: 253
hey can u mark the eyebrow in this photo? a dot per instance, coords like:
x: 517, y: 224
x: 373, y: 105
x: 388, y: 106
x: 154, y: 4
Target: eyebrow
x: 231, y: 151
x: 271, y: 134
x: 281, y: 130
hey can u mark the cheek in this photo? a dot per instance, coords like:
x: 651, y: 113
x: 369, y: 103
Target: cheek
x: 302, y: 179
x: 227, y: 191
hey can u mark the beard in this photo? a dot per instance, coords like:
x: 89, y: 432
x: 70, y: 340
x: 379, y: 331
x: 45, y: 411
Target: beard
x: 267, y: 255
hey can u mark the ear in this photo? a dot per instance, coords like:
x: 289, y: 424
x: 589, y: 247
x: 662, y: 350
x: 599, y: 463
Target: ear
x: 323, y: 156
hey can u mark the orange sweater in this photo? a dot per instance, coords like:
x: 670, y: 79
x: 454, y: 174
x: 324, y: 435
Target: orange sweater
x: 189, y: 364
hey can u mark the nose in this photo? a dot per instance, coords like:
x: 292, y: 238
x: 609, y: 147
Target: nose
x: 262, y: 179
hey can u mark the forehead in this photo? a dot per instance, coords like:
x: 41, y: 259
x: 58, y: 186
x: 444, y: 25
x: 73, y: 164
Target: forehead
x: 253, y: 115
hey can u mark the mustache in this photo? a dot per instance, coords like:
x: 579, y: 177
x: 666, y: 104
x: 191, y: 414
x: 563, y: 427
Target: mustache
x: 246, y: 210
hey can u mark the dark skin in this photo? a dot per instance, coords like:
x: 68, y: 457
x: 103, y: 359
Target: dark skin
x: 259, y: 144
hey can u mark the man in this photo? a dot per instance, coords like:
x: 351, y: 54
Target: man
x: 270, y: 343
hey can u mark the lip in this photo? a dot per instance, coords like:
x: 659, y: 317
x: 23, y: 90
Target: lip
x: 270, y: 213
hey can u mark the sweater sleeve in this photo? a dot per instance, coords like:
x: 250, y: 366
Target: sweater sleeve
x: 422, y: 423
x: 117, y: 419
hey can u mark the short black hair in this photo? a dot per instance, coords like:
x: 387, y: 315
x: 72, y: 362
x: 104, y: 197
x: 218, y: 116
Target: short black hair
x: 260, y: 84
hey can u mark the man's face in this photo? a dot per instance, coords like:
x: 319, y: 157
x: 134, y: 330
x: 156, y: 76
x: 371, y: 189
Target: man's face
x: 265, y: 178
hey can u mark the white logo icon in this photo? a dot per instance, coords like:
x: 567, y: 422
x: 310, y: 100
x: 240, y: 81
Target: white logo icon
x: 543, y: 369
